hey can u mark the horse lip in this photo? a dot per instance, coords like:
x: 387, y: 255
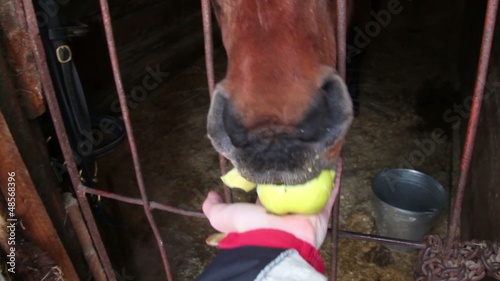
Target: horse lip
x: 308, y: 171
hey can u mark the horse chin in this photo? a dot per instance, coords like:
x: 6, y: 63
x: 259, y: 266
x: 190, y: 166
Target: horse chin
x: 289, y: 173
x: 279, y: 177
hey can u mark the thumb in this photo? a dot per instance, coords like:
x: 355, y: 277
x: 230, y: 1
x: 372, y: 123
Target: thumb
x: 216, y: 211
x: 213, y: 199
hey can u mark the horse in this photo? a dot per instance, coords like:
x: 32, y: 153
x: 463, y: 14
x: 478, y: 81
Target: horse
x: 282, y: 112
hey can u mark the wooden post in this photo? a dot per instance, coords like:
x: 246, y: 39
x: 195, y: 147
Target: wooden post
x: 29, y: 210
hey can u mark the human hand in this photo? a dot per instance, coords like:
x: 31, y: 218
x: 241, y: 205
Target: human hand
x: 242, y: 217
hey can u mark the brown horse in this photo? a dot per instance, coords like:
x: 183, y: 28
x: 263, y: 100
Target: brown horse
x: 281, y: 113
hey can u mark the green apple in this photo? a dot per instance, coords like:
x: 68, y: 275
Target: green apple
x: 307, y: 198
x: 233, y: 179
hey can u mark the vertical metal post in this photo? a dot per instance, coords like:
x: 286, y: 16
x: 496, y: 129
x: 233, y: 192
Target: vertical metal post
x: 341, y: 37
x: 341, y: 9
x: 209, y: 62
x: 209, y: 46
x: 130, y: 134
x: 482, y: 72
x: 335, y: 222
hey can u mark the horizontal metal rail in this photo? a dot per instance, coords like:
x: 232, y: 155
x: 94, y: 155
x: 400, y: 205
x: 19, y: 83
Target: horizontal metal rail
x: 380, y: 239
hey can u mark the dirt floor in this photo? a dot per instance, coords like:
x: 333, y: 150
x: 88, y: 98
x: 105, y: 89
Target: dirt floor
x: 407, y: 79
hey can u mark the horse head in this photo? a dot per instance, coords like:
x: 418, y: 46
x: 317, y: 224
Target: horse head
x: 281, y: 113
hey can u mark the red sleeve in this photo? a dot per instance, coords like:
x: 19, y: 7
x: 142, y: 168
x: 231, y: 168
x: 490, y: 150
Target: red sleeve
x: 272, y: 238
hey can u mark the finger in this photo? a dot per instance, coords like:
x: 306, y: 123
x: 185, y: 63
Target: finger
x: 212, y: 199
x: 214, y: 239
x: 237, y: 217
x: 213, y: 203
x: 214, y: 208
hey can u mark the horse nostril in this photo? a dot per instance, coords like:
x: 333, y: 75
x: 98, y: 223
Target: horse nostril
x: 233, y: 127
x: 311, y: 128
x: 329, y: 114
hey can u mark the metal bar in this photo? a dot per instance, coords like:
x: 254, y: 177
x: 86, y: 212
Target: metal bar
x: 130, y: 134
x: 227, y: 191
x: 209, y: 62
x: 335, y: 222
x: 136, y: 201
x: 341, y: 37
x: 380, y: 239
x: 341, y: 10
x: 208, y: 42
x: 55, y: 113
x: 163, y: 207
x: 482, y: 72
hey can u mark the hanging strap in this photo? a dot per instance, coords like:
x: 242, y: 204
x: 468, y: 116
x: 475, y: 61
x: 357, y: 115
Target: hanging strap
x: 71, y: 96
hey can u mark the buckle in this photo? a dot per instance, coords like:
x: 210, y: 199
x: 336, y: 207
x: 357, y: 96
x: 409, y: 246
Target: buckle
x: 64, y: 54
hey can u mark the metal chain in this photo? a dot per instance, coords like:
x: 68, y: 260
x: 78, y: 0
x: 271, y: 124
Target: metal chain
x: 467, y: 261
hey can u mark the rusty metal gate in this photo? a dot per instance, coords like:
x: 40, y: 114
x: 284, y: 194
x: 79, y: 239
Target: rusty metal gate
x: 440, y: 258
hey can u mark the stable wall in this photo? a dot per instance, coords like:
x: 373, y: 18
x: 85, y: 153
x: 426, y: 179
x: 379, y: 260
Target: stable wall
x: 152, y: 34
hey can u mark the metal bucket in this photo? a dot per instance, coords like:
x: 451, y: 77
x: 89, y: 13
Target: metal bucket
x: 407, y: 203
